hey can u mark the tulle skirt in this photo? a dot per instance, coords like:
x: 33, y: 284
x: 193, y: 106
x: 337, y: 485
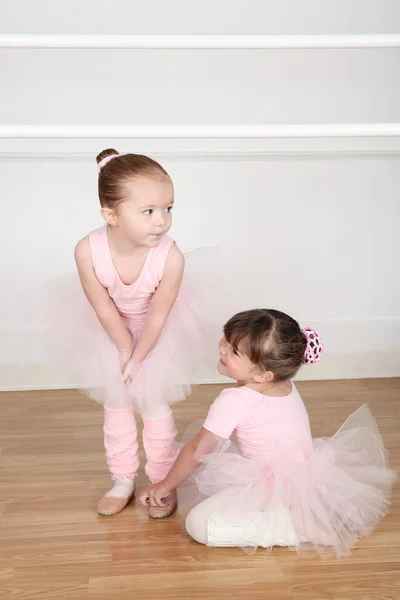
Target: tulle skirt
x: 322, y: 504
x: 186, y: 350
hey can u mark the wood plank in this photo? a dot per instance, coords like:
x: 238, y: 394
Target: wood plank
x: 54, y: 545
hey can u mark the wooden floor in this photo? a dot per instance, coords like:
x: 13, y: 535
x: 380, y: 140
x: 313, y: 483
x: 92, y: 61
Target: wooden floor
x: 54, y: 545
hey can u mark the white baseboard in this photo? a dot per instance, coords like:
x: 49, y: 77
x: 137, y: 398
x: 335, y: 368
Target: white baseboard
x: 364, y: 348
x: 335, y: 366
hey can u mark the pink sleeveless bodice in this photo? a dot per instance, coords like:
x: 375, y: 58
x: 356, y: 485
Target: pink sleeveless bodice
x: 132, y: 301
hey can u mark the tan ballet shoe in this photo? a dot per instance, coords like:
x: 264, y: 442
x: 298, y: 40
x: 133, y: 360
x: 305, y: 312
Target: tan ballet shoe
x: 109, y: 506
x: 157, y: 512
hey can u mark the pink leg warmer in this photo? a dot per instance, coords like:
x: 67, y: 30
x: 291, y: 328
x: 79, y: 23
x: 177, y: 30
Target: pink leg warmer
x: 159, y: 440
x: 120, y: 442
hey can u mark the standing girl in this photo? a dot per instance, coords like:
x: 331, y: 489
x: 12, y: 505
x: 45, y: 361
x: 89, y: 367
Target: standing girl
x: 137, y: 342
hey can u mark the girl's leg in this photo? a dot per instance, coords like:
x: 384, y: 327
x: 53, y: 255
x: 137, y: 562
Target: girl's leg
x: 214, y: 523
x: 159, y: 441
x: 198, y: 518
x: 121, y: 444
x: 120, y: 436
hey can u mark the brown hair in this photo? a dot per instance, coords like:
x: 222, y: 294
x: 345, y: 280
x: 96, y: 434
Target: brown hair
x: 270, y: 338
x: 121, y: 170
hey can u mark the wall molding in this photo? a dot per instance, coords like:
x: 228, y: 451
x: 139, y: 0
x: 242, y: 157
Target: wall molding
x: 331, y: 130
x: 200, y: 42
x: 208, y: 155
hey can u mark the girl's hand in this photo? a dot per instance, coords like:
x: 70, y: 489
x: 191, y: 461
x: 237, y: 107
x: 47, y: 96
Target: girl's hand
x: 156, y: 495
x: 131, y: 368
x: 124, y: 358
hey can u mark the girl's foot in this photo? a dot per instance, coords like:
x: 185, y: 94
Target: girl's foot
x: 157, y: 512
x: 117, y: 498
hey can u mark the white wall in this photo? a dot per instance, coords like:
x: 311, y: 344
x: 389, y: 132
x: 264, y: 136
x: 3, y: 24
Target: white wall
x: 311, y: 225
x: 209, y: 16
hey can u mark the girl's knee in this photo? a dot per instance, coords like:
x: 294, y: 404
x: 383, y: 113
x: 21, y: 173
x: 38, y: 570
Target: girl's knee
x: 196, y: 527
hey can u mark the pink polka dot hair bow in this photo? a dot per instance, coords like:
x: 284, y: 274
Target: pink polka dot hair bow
x: 315, y: 346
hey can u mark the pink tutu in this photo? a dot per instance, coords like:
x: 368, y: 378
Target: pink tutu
x: 187, y: 347
x: 338, y: 494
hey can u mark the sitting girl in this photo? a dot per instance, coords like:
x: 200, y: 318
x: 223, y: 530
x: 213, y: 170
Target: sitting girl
x: 280, y: 487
